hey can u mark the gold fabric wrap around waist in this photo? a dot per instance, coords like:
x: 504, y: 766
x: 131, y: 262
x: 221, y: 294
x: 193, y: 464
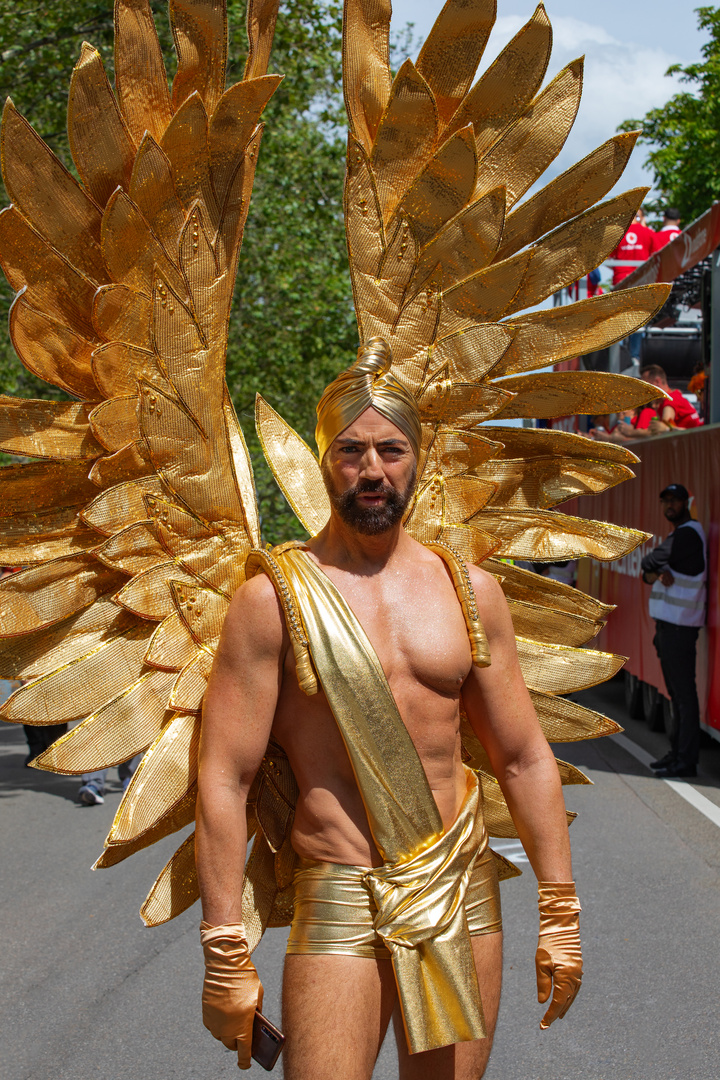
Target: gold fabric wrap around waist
x: 420, y: 916
x: 335, y: 911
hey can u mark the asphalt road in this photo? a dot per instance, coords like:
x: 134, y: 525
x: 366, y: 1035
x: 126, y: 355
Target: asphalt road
x: 87, y: 993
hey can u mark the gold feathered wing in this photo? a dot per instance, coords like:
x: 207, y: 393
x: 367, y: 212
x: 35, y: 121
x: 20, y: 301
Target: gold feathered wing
x: 136, y: 519
x: 444, y: 264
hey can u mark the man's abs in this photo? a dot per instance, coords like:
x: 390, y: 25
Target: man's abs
x: 426, y: 657
x: 331, y: 823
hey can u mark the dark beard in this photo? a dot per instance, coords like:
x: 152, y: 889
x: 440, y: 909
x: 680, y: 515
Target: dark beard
x: 370, y: 520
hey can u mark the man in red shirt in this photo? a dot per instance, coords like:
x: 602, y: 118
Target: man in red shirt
x: 676, y: 413
x: 644, y: 417
x: 670, y: 229
x: 635, y: 246
x: 629, y: 423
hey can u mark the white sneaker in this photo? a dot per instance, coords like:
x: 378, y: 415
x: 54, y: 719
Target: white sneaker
x: 89, y: 795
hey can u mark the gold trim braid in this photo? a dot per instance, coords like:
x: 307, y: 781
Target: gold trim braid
x: 258, y: 560
x: 466, y: 596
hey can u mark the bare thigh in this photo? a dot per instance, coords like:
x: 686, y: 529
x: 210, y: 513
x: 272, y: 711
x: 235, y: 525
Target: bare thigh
x: 463, y: 1061
x: 336, y: 1011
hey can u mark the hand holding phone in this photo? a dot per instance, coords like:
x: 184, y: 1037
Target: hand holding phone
x: 267, y: 1042
x: 232, y: 990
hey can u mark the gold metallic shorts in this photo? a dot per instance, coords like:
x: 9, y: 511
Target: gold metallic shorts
x: 334, y: 909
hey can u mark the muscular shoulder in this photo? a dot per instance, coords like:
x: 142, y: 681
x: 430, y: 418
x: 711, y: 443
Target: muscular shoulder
x: 254, y: 625
x: 492, y: 605
x: 487, y: 588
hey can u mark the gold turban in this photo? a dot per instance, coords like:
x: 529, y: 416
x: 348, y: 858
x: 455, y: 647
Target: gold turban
x: 367, y: 384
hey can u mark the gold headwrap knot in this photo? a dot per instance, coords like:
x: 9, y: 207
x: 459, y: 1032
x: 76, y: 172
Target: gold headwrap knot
x: 367, y: 384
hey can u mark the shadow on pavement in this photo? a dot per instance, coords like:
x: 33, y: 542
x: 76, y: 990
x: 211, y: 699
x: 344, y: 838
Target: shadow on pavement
x: 607, y: 756
x: 15, y: 777
x: 601, y: 754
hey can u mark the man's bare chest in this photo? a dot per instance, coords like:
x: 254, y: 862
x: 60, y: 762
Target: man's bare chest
x: 415, y: 626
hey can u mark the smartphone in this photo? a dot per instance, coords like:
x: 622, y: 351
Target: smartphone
x: 267, y: 1042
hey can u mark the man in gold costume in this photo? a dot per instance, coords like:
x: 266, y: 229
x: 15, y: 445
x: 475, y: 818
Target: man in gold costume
x: 358, y: 676
x: 339, y: 991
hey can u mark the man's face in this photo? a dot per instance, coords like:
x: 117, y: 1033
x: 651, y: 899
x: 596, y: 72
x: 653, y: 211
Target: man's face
x: 654, y: 380
x: 370, y: 472
x: 674, y: 509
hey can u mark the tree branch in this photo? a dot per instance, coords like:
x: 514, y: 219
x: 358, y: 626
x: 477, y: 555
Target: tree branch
x: 53, y: 39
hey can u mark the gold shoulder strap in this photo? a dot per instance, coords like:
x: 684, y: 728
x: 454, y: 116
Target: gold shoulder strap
x: 260, y: 561
x: 466, y: 596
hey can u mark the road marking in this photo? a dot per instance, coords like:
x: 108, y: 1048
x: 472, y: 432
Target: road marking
x: 681, y: 787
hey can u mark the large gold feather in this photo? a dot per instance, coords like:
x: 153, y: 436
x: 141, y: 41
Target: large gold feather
x: 135, y: 520
x: 135, y: 523
x: 445, y: 266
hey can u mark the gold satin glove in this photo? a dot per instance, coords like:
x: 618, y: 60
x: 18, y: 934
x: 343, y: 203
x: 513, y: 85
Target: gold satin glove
x: 558, y: 959
x: 232, y: 990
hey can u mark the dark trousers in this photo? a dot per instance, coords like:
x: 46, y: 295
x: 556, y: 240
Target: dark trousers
x: 676, y: 646
x: 39, y: 738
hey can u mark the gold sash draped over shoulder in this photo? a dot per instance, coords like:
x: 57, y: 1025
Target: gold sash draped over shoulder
x: 420, y: 889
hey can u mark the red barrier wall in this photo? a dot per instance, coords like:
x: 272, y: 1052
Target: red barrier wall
x: 691, y: 458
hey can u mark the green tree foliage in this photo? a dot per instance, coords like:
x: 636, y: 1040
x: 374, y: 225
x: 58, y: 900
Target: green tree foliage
x: 292, y: 327
x: 686, y: 131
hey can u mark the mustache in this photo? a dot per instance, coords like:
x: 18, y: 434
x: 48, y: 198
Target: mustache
x: 370, y: 520
x: 374, y: 487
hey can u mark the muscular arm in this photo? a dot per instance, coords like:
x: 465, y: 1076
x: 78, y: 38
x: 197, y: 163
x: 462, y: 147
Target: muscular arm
x: 237, y: 717
x: 502, y: 715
